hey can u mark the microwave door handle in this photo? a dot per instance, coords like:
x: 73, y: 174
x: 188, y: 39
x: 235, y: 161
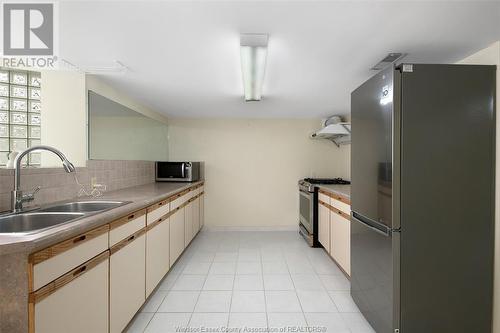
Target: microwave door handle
x: 183, y: 168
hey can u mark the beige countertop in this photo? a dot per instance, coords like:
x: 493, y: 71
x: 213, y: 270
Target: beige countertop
x: 343, y: 190
x: 140, y: 197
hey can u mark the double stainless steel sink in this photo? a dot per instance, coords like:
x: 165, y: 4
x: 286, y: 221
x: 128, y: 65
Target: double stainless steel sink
x: 43, y: 218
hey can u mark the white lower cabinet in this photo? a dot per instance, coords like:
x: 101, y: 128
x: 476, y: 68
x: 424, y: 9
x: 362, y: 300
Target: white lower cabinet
x: 79, y: 306
x: 340, y: 241
x: 334, y: 228
x: 324, y: 226
x: 188, y: 223
x: 176, y: 235
x: 127, y: 274
x: 202, y: 210
x: 196, y: 216
x: 120, y: 271
x: 157, y: 254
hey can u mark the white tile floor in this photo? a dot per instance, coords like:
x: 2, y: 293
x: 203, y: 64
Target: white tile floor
x: 256, y: 280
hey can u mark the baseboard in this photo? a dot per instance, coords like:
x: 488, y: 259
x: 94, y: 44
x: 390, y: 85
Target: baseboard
x: 256, y: 228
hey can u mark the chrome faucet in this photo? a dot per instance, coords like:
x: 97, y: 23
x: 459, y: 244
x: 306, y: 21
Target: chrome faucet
x: 18, y: 198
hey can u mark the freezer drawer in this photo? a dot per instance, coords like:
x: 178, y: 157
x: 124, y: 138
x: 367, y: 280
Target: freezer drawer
x: 372, y: 274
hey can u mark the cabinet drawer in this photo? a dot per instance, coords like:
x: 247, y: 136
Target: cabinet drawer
x: 126, y: 226
x: 156, y: 211
x: 127, y: 280
x: 196, y: 191
x: 76, y: 302
x: 324, y: 198
x: 341, y: 204
x: 50, y: 263
x: 178, y: 199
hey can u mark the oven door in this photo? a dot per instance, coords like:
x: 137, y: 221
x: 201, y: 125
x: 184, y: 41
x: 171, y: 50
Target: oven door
x: 306, y: 210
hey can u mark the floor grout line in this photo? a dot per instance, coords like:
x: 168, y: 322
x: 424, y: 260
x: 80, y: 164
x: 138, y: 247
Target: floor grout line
x: 295, y: 290
x: 264, y: 287
x: 199, y: 294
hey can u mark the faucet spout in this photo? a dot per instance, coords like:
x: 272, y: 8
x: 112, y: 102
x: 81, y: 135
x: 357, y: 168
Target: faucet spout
x: 17, y: 195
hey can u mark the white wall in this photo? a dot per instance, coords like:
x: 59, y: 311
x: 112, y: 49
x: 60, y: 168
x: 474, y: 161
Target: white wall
x: 252, y: 166
x: 64, y: 116
x: 491, y: 56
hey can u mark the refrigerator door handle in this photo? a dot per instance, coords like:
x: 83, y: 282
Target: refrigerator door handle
x: 371, y: 224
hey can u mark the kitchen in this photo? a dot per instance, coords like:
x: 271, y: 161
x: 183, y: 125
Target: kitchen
x: 246, y: 105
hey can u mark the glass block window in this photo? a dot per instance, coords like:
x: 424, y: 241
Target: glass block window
x: 20, y: 113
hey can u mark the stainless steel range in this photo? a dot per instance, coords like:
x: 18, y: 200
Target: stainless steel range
x: 308, y: 206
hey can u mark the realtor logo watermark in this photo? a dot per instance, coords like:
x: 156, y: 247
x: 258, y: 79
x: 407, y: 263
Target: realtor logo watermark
x: 29, y: 34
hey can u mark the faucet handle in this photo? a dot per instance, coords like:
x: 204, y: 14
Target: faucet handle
x: 35, y: 190
x: 31, y: 195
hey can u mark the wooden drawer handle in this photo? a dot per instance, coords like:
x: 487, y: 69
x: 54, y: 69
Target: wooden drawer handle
x: 80, y: 239
x: 80, y: 270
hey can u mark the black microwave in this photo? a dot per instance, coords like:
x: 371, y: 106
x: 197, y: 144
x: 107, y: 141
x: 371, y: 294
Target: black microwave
x: 177, y: 171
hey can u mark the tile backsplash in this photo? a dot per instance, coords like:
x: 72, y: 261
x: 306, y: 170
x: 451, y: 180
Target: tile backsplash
x: 57, y: 185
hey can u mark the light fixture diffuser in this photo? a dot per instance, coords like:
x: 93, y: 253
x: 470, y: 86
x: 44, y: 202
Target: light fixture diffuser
x: 253, y: 51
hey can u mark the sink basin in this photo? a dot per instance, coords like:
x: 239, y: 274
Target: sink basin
x: 83, y: 206
x: 31, y: 222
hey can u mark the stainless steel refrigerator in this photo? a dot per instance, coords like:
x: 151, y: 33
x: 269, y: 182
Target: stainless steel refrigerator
x: 422, y: 169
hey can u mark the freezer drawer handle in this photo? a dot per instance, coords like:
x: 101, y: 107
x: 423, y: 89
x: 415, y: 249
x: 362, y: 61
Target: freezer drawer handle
x: 375, y: 226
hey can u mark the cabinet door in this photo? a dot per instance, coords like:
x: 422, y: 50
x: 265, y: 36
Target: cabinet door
x: 324, y: 226
x: 176, y: 235
x: 80, y: 305
x: 202, y: 210
x: 157, y: 254
x: 340, y: 243
x: 188, y: 233
x: 127, y: 280
x: 196, y: 216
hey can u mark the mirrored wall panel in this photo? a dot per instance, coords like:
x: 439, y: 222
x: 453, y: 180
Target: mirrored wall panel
x: 117, y: 132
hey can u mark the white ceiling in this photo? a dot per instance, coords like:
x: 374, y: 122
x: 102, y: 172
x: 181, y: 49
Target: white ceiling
x: 184, y: 56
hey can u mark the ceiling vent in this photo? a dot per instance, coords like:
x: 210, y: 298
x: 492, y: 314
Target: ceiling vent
x: 390, y: 59
x: 335, y: 130
x: 117, y: 68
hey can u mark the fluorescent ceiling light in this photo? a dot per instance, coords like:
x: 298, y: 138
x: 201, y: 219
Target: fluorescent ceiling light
x: 253, y: 50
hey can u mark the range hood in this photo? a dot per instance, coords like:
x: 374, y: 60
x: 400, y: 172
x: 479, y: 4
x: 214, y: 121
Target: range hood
x: 335, y: 130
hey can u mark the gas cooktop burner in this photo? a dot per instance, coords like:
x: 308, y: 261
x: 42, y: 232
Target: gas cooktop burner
x: 327, y: 181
